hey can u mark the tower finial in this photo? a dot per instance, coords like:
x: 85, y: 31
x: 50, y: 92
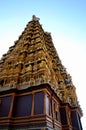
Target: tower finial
x: 35, y: 18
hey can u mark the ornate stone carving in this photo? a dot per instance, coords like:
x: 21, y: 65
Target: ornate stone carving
x: 33, y: 60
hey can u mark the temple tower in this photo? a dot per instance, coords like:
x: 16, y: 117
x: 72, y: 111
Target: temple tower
x: 36, y: 92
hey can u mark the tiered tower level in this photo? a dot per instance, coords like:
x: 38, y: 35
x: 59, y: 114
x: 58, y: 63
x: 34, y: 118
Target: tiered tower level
x: 32, y: 74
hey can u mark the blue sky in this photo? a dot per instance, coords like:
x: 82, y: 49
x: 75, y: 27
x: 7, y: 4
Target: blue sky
x: 65, y: 19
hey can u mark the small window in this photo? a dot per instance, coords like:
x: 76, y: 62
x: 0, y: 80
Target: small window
x: 38, y: 101
x: 21, y: 66
x: 39, y: 61
x: 9, y: 63
x: 23, y: 106
x: 16, y: 65
x: 1, y: 82
x: 5, y: 106
x: 48, y: 105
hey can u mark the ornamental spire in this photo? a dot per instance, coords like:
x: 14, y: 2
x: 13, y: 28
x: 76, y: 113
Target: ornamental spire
x: 34, y: 18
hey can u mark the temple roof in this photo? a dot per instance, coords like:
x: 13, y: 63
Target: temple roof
x: 33, y: 60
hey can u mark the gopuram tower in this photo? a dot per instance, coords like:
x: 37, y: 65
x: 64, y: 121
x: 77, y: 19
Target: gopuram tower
x: 36, y: 92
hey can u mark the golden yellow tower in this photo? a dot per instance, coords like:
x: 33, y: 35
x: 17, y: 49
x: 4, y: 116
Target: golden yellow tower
x: 36, y: 92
